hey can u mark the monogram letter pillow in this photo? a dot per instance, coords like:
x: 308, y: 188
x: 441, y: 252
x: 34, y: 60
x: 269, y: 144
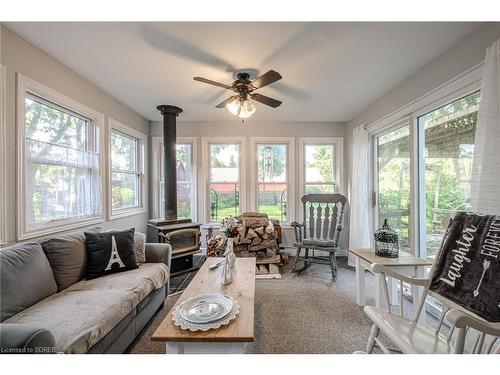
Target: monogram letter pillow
x: 109, y: 252
x: 468, y: 265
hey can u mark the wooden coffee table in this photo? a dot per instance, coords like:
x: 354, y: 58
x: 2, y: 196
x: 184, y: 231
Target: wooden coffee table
x: 226, y: 339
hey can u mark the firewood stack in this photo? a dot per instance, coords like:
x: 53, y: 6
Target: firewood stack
x: 256, y: 238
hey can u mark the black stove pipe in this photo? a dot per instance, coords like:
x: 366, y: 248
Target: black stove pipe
x: 170, y: 113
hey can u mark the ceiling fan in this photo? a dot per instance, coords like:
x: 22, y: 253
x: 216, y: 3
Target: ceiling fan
x: 240, y: 104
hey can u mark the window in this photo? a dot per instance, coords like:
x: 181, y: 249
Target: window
x: 224, y: 196
x: 186, y: 178
x: 273, y: 166
x: 59, y: 161
x: 447, y: 148
x: 127, y: 177
x: 393, y: 182
x: 321, y: 165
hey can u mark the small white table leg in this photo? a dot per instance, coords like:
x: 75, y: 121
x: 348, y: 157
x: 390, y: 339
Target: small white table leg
x: 360, y: 283
x: 174, y: 348
x: 379, y: 292
x: 204, y: 348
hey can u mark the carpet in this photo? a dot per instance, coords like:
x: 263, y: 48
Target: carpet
x: 300, y: 313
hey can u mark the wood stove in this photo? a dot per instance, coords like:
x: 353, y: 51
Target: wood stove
x: 182, y: 234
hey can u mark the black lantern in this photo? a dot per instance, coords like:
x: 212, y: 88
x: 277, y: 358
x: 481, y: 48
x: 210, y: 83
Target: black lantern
x: 386, y: 242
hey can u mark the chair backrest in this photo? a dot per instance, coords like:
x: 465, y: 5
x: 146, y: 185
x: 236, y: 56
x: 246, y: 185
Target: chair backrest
x: 481, y: 343
x: 323, y: 215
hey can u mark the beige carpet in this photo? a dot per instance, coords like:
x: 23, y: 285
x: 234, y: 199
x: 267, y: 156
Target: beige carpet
x: 306, y: 313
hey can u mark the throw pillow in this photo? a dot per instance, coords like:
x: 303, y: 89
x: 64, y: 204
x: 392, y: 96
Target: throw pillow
x: 139, y: 246
x: 67, y: 257
x: 110, y: 252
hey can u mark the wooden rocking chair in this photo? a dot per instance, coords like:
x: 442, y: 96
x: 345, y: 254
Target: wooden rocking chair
x: 466, y: 333
x: 320, y: 230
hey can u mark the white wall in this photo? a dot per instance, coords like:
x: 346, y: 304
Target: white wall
x: 256, y: 129
x: 453, y: 62
x: 19, y: 56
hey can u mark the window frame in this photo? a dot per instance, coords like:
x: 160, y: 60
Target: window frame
x: 3, y: 156
x: 26, y: 86
x: 140, y: 162
x: 206, y: 142
x: 156, y: 165
x: 290, y: 174
x: 461, y: 86
x: 338, y: 143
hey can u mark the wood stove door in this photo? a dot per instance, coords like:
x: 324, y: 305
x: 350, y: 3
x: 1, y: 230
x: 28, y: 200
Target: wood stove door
x: 183, y: 241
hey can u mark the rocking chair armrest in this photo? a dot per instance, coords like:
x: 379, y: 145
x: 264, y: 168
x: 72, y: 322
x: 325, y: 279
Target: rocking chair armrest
x: 380, y: 268
x: 460, y: 319
x: 298, y: 230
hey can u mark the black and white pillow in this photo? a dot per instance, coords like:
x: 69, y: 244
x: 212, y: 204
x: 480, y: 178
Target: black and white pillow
x: 109, y: 252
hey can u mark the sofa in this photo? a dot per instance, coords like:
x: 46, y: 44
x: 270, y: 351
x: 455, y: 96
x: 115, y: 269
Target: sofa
x: 47, y: 305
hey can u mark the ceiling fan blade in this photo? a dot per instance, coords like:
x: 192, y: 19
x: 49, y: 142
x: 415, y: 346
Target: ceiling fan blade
x: 266, y: 79
x: 210, y: 82
x: 228, y: 100
x: 266, y: 100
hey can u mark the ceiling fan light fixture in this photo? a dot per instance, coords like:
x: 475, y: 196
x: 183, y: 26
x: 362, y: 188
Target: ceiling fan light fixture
x: 234, y: 107
x: 247, y: 109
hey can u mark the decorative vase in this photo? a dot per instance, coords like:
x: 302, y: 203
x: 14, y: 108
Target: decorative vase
x: 226, y: 274
x: 229, y: 253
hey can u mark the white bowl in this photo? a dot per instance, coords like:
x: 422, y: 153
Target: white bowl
x: 206, y: 308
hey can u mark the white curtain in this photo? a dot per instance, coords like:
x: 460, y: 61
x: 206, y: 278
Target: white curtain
x: 485, y: 190
x: 360, y: 225
x: 63, y: 183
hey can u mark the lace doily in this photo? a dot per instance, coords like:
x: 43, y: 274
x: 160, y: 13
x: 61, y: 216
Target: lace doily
x: 184, y: 324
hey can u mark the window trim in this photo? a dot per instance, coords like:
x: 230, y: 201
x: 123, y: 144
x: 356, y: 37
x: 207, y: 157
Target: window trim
x: 141, y: 140
x: 27, y: 85
x: 3, y: 156
x: 156, y: 157
x: 464, y: 84
x: 206, y: 142
x: 338, y: 142
x: 290, y: 178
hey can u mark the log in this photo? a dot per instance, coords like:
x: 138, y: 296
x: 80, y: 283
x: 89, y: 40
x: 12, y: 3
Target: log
x: 257, y: 271
x: 259, y: 230
x: 261, y: 255
x: 273, y: 268
x: 254, y: 222
x: 270, y: 252
x: 276, y: 260
x: 263, y: 269
x: 251, y: 234
x: 256, y: 241
x: 251, y: 214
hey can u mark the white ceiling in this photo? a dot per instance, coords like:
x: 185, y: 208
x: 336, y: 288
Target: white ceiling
x: 331, y: 71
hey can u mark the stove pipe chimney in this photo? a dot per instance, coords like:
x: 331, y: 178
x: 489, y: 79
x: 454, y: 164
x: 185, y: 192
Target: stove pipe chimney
x: 170, y: 113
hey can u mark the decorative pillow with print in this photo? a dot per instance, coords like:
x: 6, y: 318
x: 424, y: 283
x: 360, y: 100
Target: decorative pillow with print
x: 110, y: 252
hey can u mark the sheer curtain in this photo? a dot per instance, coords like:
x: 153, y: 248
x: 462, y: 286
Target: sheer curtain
x: 360, y: 225
x: 485, y: 190
x: 63, y: 183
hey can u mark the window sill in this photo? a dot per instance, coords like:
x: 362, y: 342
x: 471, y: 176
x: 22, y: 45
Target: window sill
x: 118, y: 214
x: 58, y: 228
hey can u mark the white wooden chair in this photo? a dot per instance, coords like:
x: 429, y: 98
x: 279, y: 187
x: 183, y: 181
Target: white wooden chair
x: 467, y: 332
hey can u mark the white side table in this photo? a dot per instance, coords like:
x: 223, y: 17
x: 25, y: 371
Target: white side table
x: 406, y: 264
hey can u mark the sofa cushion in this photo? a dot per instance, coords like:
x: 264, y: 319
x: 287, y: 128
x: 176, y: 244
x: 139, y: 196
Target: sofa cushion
x: 109, y: 252
x: 67, y: 258
x: 25, y: 278
x: 81, y: 315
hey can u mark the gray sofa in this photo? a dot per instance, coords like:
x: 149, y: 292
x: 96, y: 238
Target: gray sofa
x: 47, y: 306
